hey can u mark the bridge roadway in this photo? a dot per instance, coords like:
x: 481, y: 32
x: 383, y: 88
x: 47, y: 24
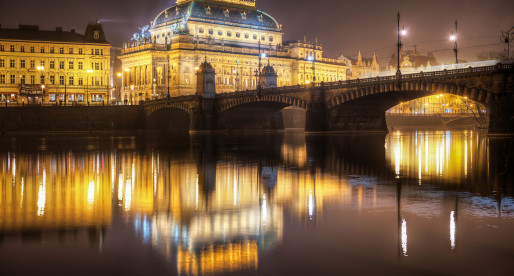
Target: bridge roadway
x: 351, y: 105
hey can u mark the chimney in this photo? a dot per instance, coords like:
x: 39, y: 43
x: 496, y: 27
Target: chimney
x: 58, y: 29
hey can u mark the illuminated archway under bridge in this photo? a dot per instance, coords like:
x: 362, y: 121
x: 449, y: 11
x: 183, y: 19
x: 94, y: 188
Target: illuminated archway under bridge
x: 441, y: 110
x: 352, y: 105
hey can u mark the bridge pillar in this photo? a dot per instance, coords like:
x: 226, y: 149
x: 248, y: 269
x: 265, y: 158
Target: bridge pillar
x: 316, y: 117
x: 501, y: 114
x: 202, y: 118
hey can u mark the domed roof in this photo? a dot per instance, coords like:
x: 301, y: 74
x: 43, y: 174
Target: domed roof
x: 222, y: 12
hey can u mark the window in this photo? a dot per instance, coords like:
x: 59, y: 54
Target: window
x: 22, y: 49
x: 61, y: 80
x: 61, y: 50
x: 52, y: 97
x: 12, y: 63
x: 211, y: 31
x: 255, y: 37
x: 32, y: 79
x: 22, y: 63
x: 101, y: 66
x: 32, y: 64
x: 93, y: 51
x: 263, y: 38
x: 52, y: 64
x: 32, y: 49
x: 2, y: 79
x: 81, y: 65
x: 220, y: 32
x: 42, y: 49
x: 247, y: 36
x: 22, y: 79
x: 102, y: 50
x: 80, y: 98
x: 70, y: 65
x: 70, y: 51
x: 238, y: 35
x: 2, y: 63
x: 52, y: 79
x: 229, y: 33
x: 200, y: 30
x: 97, y: 81
x: 52, y: 50
x: 97, y: 52
x: 42, y: 63
x: 80, y: 51
x: 270, y: 38
x: 12, y: 48
x: 70, y: 80
x: 2, y: 48
x: 61, y: 64
x: 81, y: 81
x: 42, y: 79
x: 13, y: 79
x: 97, y: 66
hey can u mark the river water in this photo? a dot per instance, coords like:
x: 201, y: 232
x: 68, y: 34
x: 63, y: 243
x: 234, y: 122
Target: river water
x: 408, y: 203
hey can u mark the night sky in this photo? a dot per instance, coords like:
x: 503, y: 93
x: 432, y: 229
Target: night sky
x: 341, y: 26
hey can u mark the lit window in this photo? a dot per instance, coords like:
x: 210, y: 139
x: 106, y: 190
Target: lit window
x: 61, y: 64
x: 61, y: 50
x: 12, y: 48
x: 32, y: 49
x: 42, y: 49
x: 70, y: 80
x: 22, y: 49
x: 61, y: 80
x: 70, y: 51
x: 80, y: 51
x: 81, y: 65
x: 22, y: 63
x: 70, y: 65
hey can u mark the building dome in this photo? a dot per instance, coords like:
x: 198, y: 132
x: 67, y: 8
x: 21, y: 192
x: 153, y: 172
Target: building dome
x: 230, y: 12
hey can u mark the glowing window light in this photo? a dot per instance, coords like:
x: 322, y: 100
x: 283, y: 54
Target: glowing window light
x: 91, y: 193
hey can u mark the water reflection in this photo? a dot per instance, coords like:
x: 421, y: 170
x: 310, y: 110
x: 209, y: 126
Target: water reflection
x: 222, y: 205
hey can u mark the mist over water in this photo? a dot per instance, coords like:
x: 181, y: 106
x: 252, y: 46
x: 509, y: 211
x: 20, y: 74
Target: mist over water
x: 409, y: 202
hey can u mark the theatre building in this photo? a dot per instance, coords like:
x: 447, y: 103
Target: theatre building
x: 57, y: 66
x: 236, y: 38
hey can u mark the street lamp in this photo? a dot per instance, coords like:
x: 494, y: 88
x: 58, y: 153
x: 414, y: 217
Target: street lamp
x: 401, y: 33
x: 87, y: 85
x: 453, y: 38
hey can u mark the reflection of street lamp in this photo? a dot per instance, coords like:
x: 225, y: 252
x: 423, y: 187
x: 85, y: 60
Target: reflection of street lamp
x: 87, y: 85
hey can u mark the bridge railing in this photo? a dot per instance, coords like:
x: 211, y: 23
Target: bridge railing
x: 355, y: 82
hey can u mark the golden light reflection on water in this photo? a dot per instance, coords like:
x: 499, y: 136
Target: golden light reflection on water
x: 215, y: 216
x: 446, y: 155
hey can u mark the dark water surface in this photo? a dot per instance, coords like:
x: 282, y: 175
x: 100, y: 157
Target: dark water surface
x: 409, y: 203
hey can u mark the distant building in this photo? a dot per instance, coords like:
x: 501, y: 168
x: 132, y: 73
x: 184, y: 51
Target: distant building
x: 115, y: 75
x: 39, y: 65
x: 364, y: 68
x: 227, y: 34
x: 412, y: 59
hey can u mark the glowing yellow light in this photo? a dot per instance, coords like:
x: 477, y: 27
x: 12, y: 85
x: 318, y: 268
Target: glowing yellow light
x: 90, y: 71
x: 196, y: 68
x: 126, y: 69
x: 307, y: 82
x: 119, y: 74
x: 453, y: 37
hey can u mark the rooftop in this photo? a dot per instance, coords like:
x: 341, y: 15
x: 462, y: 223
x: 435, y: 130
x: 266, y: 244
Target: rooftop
x: 94, y: 34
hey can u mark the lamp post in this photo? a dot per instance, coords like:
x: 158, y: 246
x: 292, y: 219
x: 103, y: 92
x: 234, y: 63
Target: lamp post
x: 453, y: 37
x: 399, y: 46
x: 87, y: 85
x: 41, y: 81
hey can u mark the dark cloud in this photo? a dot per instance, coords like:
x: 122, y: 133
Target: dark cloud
x: 341, y: 26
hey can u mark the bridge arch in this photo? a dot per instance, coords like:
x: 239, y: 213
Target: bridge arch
x: 256, y: 113
x: 168, y: 116
x: 364, y: 108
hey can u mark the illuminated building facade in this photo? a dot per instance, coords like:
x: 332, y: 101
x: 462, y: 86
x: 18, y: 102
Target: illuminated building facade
x: 364, y: 68
x: 234, y: 37
x: 437, y: 104
x: 48, y: 66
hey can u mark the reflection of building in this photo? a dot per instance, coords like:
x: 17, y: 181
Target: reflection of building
x: 449, y: 155
x: 53, y: 192
x: 229, y: 33
x: 38, y: 65
x: 115, y: 75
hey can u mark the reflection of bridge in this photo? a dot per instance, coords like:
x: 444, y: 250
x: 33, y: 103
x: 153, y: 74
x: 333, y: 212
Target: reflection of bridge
x: 344, y: 105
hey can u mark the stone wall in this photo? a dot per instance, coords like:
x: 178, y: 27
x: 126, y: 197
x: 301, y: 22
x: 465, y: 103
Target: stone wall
x: 71, y: 118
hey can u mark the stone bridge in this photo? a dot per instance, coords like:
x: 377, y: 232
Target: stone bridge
x: 352, y: 105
